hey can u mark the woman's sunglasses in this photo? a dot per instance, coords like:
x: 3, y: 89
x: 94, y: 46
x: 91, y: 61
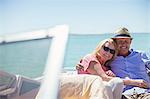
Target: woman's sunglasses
x: 107, y: 49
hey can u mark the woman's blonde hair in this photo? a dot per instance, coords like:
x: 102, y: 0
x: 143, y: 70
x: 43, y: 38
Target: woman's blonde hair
x: 101, y: 45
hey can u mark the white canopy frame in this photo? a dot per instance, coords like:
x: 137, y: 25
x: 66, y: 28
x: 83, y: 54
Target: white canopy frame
x: 49, y: 87
x: 59, y: 35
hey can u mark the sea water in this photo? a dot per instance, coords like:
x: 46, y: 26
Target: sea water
x: 29, y: 58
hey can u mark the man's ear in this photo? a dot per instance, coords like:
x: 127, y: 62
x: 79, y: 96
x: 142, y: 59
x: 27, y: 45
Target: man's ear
x: 130, y: 40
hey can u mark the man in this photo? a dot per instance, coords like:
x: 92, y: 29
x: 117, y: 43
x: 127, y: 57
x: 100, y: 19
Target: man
x: 129, y: 63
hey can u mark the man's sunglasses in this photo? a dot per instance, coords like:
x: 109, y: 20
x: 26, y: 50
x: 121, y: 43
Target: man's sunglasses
x: 107, y: 49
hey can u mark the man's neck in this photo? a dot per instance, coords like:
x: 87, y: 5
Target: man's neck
x: 124, y: 54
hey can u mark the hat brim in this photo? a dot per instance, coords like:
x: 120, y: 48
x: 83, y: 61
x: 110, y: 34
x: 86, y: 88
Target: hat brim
x: 121, y: 37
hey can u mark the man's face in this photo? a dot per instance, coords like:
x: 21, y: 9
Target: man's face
x: 123, y: 46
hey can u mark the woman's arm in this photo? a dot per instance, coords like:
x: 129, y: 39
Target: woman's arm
x: 96, y: 69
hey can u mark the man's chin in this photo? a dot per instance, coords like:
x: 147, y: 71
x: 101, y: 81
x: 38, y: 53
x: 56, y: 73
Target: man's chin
x: 124, y: 49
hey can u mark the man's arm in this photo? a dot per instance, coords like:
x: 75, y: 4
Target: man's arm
x: 146, y: 58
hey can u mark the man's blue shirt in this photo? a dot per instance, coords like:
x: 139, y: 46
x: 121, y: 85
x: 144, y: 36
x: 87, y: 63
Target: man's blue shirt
x: 132, y: 66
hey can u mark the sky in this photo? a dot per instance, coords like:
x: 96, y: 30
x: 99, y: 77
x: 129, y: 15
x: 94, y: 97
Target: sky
x: 82, y: 16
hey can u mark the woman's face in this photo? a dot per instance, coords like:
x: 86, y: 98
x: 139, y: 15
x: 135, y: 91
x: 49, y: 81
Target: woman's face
x: 107, y: 51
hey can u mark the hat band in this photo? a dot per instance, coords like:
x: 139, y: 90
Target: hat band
x: 122, y: 35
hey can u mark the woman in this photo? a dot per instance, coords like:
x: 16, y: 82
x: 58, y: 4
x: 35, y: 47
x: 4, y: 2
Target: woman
x: 99, y: 60
x: 97, y: 63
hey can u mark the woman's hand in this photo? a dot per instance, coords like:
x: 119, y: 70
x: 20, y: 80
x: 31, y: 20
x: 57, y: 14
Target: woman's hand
x: 79, y: 67
x: 110, y: 73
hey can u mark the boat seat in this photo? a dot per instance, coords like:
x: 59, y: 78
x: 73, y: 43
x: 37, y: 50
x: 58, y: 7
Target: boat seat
x: 8, y: 84
x: 7, y: 91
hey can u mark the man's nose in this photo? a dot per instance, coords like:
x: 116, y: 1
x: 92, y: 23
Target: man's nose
x: 123, y: 43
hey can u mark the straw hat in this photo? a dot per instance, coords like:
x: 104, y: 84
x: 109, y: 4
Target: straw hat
x: 122, y: 33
